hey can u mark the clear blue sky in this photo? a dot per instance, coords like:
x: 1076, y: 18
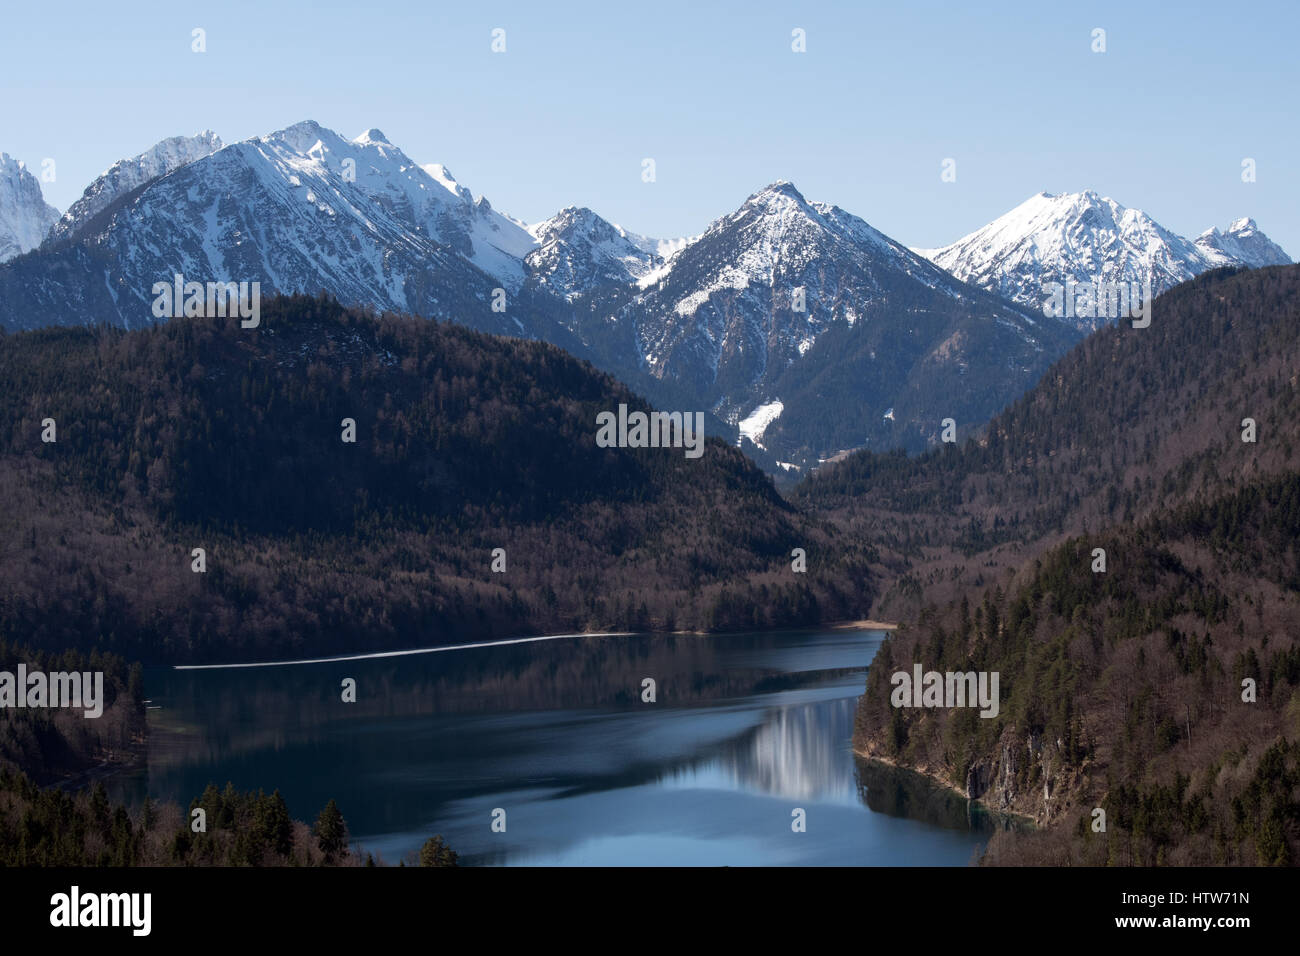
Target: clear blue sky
x: 711, y: 91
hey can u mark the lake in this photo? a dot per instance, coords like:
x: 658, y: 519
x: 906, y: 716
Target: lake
x: 745, y: 730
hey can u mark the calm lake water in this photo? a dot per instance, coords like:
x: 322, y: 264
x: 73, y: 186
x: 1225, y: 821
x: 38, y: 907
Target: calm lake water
x: 746, y: 728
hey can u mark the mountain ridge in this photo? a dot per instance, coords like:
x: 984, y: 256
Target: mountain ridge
x: 1085, y: 237
x: 783, y: 303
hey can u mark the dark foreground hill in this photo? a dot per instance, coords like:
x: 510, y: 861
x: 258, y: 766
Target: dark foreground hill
x: 201, y: 434
x: 53, y: 828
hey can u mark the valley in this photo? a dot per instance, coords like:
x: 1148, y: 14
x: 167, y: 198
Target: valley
x: 300, y: 399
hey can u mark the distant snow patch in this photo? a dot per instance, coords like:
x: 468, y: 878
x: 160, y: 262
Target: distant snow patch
x: 755, y: 423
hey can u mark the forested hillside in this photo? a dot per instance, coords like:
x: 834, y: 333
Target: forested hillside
x: 1123, y: 690
x: 52, y: 828
x: 1163, y: 687
x: 58, y: 743
x: 201, y: 434
x: 1131, y: 421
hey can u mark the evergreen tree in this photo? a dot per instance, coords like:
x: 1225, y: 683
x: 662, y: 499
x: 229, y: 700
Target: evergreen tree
x: 331, y: 831
x: 436, y: 853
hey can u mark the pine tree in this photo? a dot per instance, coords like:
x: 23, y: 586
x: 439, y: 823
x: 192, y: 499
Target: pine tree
x: 331, y: 831
x: 436, y: 853
x: 274, y: 825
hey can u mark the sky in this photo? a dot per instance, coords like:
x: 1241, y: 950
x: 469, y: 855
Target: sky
x: 711, y: 91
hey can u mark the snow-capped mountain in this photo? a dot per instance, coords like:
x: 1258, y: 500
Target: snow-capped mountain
x: 578, y: 252
x: 1082, y: 238
x: 494, y: 242
x: 796, y: 319
x: 300, y: 210
x: 25, y: 216
x: 755, y: 262
x: 793, y: 318
x: 1242, y: 244
x: 800, y: 306
x: 127, y: 175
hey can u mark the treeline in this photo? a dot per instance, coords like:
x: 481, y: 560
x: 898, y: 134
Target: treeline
x: 1163, y: 690
x: 49, y: 827
x: 200, y: 434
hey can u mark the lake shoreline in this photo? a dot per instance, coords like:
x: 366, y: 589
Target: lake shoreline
x: 863, y: 625
x: 944, y: 784
x: 858, y: 625
x: 563, y: 735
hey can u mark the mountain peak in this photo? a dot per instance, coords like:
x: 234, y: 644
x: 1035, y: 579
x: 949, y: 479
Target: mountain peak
x: 1242, y: 244
x: 126, y: 175
x: 1082, y: 199
x: 782, y: 187
x: 25, y: 216
x: 12, y: 166
x: 580, y: 251
x: 1069, y: 237
x: 300, y: 137
x: 302, y: 126
x: 569, y: 217
x: 374, y: 136
x: 1084, y: 235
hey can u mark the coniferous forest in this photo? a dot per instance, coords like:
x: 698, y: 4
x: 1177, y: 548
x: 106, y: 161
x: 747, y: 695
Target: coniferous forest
x: 1162, y: 686
x: 194, y: 434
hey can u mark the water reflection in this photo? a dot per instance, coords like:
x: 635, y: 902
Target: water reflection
x: 796, y: 753
x: 745, y: 729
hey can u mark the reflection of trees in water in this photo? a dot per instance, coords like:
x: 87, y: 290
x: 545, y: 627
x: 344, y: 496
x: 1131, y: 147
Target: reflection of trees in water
x: 898, y: 792
x: 217, y: 713
x: 797, y: 752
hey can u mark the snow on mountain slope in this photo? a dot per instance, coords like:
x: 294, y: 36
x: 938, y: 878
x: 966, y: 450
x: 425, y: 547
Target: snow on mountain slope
x: 129, y: 174
x: 570, y: 254
x: 755, y: 423
x: 783, y: 297
x: 1082, y: 238
x: 384, y: 175
x: 761, y: 285
x: 304, y: 209
x: 494, y: 242
x: 578, y: 251
x: 25, y: 216
x: 663, y: 248
x: 300, y: 210
x: 1242, y: 244
x: 802, y: 300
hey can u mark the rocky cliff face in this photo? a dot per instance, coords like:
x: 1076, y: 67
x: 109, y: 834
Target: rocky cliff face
x: 1026, y: 777
x: 25, y: 216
